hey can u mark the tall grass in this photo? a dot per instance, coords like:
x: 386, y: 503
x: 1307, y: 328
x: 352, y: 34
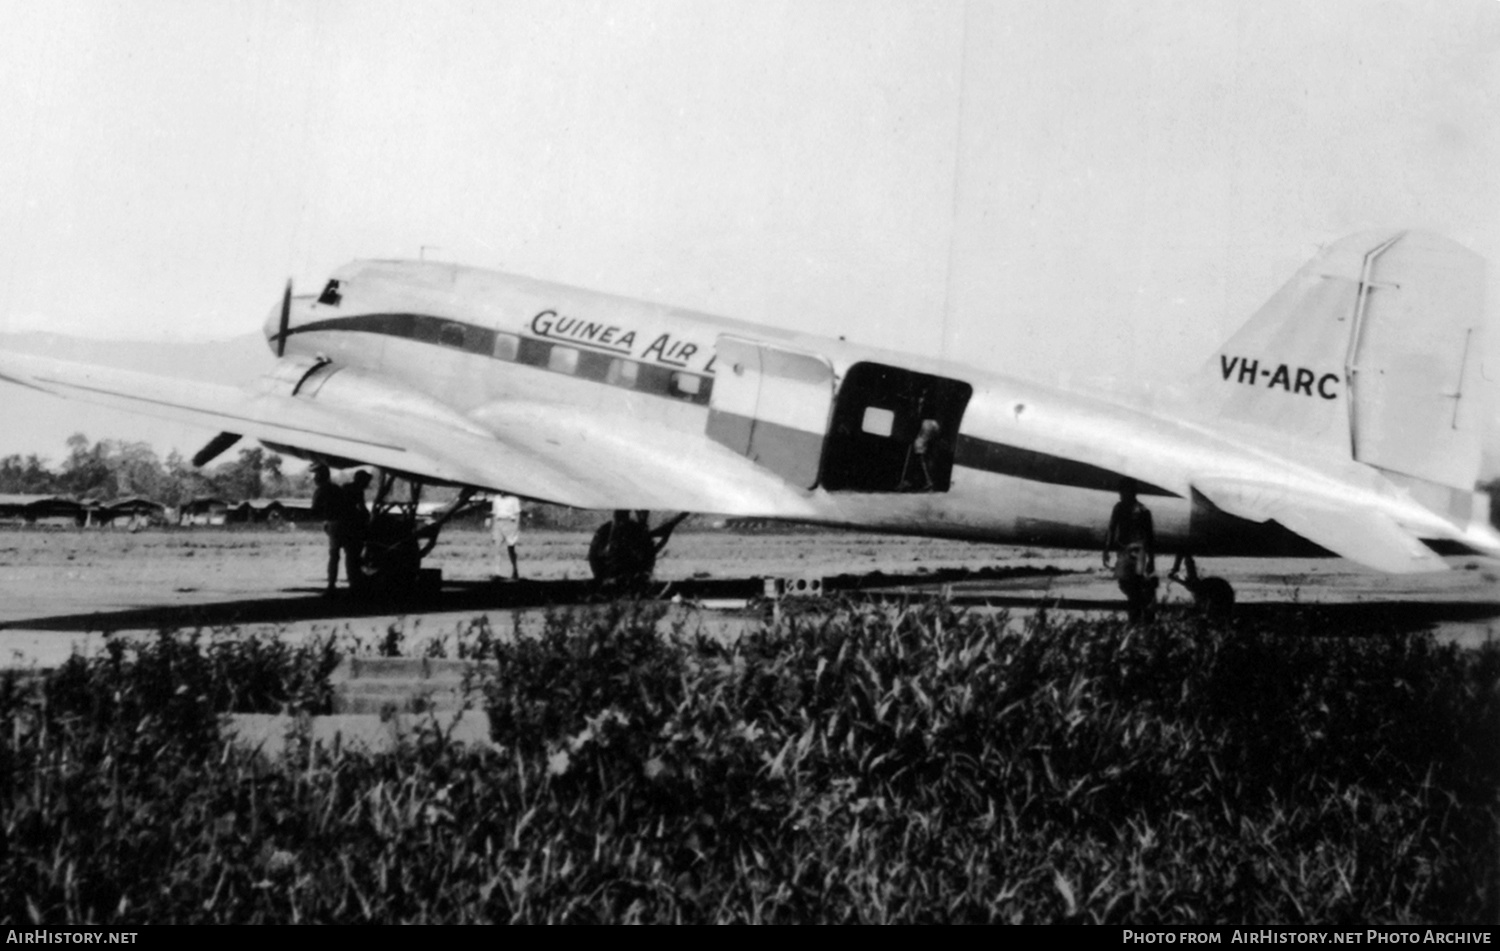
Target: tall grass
x: 867, y: 763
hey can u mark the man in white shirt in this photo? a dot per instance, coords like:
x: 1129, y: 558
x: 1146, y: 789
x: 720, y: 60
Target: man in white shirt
x: 505, y: 530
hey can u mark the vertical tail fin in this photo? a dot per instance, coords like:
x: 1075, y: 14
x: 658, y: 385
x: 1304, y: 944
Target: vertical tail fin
x: 1371, y: 352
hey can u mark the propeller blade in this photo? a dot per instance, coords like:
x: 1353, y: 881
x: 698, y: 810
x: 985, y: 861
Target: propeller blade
x: 214, y: 447
x: 286, y: 319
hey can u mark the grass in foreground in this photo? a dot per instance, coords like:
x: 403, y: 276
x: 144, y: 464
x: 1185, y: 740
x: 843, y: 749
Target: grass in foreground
x: 864, y: 764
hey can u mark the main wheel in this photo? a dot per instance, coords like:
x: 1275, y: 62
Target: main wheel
x: 622, y: 553
x: 392, y: 559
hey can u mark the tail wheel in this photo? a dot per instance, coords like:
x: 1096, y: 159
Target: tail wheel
x: 1215, y: 598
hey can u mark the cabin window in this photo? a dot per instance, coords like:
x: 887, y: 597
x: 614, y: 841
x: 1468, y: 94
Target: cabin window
x: 562, y: 360
x: 651, y: 378
x: 593, y: 365
x: 533, y: 352
x: 622, y: 373
x: 506, y: 346
x: 479, y: 340
x: 689, y: 386
x: 452, y: 335
x: 878, y: 422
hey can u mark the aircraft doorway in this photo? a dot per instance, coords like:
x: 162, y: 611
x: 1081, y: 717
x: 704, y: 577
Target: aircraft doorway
x: 893, y: 430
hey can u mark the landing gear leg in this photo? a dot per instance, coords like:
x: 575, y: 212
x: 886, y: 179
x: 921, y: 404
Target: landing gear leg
x: 624, y: 549
x: 397, y: 541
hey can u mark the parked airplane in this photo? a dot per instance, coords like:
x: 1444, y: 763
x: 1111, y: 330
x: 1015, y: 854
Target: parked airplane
x: 1346, y: 417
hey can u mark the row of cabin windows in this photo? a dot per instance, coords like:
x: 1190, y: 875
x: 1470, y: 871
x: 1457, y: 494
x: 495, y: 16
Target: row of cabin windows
x: 573, y: 361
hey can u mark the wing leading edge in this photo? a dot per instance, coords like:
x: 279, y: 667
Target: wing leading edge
x: 534, y: 450
x: 396, y: 430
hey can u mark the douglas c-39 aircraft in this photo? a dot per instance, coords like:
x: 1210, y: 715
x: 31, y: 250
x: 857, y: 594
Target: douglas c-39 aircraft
x: 1346, y: 417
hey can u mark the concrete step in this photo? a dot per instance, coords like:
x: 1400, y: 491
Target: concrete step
x: 269, y: 733
x: 408, y: 668
x: 404, y: 699
x: 406, y: 684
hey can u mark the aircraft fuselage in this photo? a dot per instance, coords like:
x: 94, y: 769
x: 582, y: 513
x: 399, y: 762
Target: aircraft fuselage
x: 819, y: 430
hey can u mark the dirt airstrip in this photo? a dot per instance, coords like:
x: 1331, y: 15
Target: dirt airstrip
x: 62, y: 586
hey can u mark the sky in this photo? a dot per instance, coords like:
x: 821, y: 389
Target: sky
x: 1040, y: 187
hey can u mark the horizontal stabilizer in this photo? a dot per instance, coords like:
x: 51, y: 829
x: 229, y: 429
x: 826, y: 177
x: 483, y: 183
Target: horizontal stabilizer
x: 1370, y: 538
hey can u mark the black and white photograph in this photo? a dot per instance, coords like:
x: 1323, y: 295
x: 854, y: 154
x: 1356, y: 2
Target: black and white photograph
x: 751, y: 461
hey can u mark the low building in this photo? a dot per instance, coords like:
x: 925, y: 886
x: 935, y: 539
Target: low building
x: 272, y: 511
x: 207, y: 510
x: 42, y: 510
x: 133, y: 511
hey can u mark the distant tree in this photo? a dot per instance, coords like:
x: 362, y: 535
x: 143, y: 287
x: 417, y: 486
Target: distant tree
x: 137, y: 470
x: 299, y: 485
x: 274, y: 482
x: 28, y: 476
x: 86, y: 473
x: 242, y: 478
x: 110, y: 469
x: 184, y: 482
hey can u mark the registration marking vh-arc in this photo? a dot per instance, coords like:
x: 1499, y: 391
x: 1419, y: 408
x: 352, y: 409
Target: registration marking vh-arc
x: 1298, y: 380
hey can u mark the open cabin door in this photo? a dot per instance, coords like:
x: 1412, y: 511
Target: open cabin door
x: 771, y: 405
x: 893, y: 430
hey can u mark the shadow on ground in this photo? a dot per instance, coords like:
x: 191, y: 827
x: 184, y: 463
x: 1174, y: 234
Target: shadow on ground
x: 309, y: 604
x: 1383, y: 617
x: 961, y: 587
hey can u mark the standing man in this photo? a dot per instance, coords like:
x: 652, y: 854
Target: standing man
x: 928, y: 433
x: 341, y: 522
x: 1132, y: 538
x: 505, y: 531
x: 356, y: 492
x: 359, y: 527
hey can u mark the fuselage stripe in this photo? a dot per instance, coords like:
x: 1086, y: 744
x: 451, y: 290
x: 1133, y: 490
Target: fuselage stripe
x: 971, y: 452
x: 565, y: 356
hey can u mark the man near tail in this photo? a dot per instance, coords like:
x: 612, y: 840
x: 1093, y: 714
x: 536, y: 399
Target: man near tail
x: 1132, y: 539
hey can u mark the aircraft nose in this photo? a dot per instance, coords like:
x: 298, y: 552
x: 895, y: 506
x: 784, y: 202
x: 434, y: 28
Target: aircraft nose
x: 271, y: 325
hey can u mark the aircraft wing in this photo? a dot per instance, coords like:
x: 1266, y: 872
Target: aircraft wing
x: 533, y: 450
x: 392, y: 429
x: 1369, y: 538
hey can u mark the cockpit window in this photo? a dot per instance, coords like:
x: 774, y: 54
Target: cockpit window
x: 331, y: 295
